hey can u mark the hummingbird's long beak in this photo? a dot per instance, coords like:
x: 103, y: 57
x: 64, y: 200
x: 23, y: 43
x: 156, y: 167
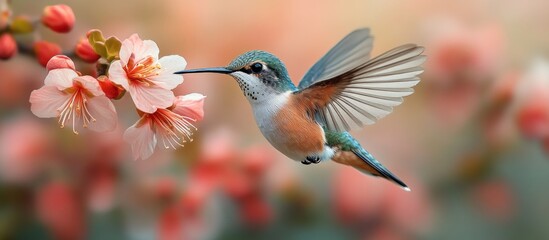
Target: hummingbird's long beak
x: 206, y: 70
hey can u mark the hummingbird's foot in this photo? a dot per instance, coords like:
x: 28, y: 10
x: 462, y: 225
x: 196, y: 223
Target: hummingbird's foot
x: 311, y: 159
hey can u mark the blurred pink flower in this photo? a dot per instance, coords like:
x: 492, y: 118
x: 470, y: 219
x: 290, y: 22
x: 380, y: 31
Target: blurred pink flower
x: 85, y: 51
x: 25, y: 145
x: 58, y: 207
x: 60, y: 61
x: 148, y: 79
x: 102, y: 177
x: 256, y: 211
x: 8, y: 46
x: 240, y: 174
x: 59, y: 18
x: 257, y: 160
x: 45, y: 50
x: 495, y: 199
x: 171, y: 224
x: 459, y: 51
x: 532, y: 101
x: 461, y: 60
x: 74, y: 98
x: 172, y: 126
x: 360, y: 199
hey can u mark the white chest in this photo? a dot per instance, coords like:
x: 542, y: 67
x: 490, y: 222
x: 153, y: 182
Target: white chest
x: 264, y: 113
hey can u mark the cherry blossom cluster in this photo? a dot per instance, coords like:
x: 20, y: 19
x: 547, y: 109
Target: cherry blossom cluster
x: 133, y: 66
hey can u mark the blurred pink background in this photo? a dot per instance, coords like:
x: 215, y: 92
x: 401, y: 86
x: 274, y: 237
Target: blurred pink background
x: 472, y: 142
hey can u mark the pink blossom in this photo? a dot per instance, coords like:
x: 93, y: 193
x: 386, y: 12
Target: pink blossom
x: 148, y: 79
x: 172, y: 126
x: 58, y: 207
x: 74, y: 99
x: 25, y: 147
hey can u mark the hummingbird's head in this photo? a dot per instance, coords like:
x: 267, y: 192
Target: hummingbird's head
x: 259, y: 74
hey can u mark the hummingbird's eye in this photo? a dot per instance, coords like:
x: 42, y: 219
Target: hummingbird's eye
x: 256, y: 67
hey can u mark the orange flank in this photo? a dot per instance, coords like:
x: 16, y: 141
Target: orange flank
x: 351, y: 159
x: 300, y: 132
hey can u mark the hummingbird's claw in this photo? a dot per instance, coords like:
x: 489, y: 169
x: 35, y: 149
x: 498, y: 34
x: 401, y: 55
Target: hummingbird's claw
x: 311, y: 159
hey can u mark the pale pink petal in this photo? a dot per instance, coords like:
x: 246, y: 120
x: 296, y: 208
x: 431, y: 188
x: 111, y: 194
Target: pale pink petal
x: 191, y: 105
x: 104, y: 113
x: 91, y: 84
x: 60, y: 78
x: 141, y: 138
x: 147, y: 49
x: 126, y: 51
x: 165, y: 77
x: 139, y: 48
x: 118, y: 75
x: 150, y: 98
x: 46, y: 101
x: 172, y: 63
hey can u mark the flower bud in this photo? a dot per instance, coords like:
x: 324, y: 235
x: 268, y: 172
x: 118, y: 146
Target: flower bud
x: 85, y: 51
x: 60, y: 61
x: 45, y: 51
x: 111, y: 90
x: 8, y: 46
x: 58, y: 18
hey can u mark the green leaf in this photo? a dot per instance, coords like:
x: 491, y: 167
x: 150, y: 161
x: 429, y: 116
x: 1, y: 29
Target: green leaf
x: 99, y: 48
x: 113, y: 46
x: 95, y: 36
x: 21, y: 24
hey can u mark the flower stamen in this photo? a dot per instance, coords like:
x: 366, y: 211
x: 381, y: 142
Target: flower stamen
x: 174, y: 129
x: 76, y: 107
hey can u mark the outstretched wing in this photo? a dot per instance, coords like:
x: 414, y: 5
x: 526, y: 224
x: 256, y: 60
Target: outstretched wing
x: 349, y: 53
x: 347, y: 98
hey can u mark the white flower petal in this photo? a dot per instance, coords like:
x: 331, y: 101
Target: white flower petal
x: 125, y: 51
x: 150, y: 98
x: 190, y: 105
x: 102, y: 109
x: 60, y: 78
x: 172, y: 63
x: 139, y: 48
x: 166, y: 78
x: 147, y: 49
x: 142, y: 139
x: 118, y: 75
x: 46, y: 101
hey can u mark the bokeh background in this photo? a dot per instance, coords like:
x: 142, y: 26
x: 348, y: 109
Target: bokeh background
x: 472, y: 142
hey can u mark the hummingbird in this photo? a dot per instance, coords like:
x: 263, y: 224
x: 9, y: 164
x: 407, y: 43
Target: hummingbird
x: 343, y: 91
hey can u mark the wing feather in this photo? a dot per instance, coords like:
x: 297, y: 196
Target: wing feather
x: 359, y: 90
